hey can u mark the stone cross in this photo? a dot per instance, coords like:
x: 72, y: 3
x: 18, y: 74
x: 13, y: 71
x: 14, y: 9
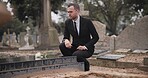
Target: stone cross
x: 27, y: 29
x: 49, y: 37
x: 82, y: 11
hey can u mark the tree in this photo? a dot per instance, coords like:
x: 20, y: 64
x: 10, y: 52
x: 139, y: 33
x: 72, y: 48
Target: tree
x: 32, y: 8
x: 111, y: 11
x: 139, y: 4
x: 14, y: 25
x: 116, y: 14
x: 25, y: 10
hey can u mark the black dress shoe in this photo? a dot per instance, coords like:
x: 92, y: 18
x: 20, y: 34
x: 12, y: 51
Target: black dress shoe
x: 86, y: 69
x: 86, y: 66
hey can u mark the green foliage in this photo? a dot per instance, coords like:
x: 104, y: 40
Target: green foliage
x: 56, y: 5
x: 139, y: 4
x: 112, y: 12
x: 33, y: 8
x: 14, y: 25
x: 30, y: 11
x: 23, y: 8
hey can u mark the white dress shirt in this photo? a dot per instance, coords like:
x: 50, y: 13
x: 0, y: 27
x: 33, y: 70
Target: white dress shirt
x: 77, y: 24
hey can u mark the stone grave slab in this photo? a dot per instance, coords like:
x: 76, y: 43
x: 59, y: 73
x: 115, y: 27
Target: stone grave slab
x: 123, y: 50
x: 140, y: 51
x: 11, y: 73
x: 111, y: 56
x: 34, y: 63
x: 145, y: 61
x: 96, y: 52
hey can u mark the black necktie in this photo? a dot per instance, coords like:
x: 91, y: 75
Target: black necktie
x: 75, y: 28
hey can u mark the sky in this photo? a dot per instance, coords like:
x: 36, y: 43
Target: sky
x: 5, y: 0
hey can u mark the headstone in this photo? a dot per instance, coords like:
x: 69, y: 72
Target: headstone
x: 13, y: 41
x: 21, y: 40
x: 101, y: 29
x: 111, y: 57
x: 26, y: 38
x: 104, y: 40
x: 145, y: 61
x: 135, y: 36
x: 112, y: 42
x: 35, y: 37
x: 4, y: 39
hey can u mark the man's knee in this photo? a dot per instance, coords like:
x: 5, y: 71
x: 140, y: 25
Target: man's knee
x: 76, y: 54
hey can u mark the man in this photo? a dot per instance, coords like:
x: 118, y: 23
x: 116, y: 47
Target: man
x: 84, y: 36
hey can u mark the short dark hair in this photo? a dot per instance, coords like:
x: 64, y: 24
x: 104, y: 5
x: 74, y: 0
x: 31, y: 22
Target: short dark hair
x: 76, y: 6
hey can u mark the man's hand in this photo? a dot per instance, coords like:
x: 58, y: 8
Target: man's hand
x: 67, y: 43
x: 82, y: 48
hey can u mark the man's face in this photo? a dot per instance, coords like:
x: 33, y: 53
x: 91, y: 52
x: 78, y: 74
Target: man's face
x: 73, y: 13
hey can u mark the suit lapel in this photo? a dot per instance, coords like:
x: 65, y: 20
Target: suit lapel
x: 81, y: 24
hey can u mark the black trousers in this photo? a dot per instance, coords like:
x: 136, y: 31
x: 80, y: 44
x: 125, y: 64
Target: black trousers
x: 81, y: 55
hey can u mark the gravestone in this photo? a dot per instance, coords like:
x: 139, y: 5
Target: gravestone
x: 26, y: 38
x: 112, y: 42
x: 135, y: 36
x: 21, y: 40
x: 49, y: 36
x: 145, y: 61
x: 35, y: 37
x: 4, y: 39
x: 104, y: 40
x: 13, y: 41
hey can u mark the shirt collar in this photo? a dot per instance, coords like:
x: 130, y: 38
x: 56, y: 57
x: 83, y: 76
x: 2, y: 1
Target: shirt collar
x: 78, y: 19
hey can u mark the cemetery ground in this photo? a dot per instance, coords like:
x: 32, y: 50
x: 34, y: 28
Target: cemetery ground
x: 113, y: 66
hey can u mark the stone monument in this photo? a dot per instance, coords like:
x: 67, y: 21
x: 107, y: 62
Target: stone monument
x: 49, y: 36
x: 134, y: 36
x: 26, y: 38
x: 82, y: 11
x: 13, y: 41
x: 4, y: 39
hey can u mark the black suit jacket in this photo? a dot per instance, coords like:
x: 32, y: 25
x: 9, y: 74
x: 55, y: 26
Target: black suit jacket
x: 88, y: 35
